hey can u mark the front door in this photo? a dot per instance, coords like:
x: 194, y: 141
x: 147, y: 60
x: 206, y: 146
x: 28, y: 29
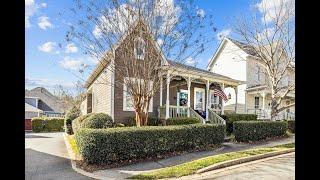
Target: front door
x: 182, y: 99
x: 199, y: 99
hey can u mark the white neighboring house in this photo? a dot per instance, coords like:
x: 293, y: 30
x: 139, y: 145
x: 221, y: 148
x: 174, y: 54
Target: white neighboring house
x: 236, y: 60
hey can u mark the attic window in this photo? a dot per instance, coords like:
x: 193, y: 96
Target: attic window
x: 139, y: 48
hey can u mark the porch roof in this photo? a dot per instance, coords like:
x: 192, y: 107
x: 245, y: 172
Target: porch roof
x: 203, y: 72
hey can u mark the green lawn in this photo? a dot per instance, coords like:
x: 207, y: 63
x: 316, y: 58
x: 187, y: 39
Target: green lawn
x: 73, y: 144
x: 191, y: 167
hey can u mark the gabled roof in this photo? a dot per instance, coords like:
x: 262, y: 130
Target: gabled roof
x: 245, y: 47
x: 110, y: 54
x: 45, y: 96
x: 195, y: 69
x: 29, y: 108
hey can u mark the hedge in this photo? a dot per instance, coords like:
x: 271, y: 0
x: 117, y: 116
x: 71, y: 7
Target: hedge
x: 152, y: 121
x: 113, y: 145
x: 47, y: 124
x: 182, y: 120
x: 291, y: 126
x: 245, y: 131
x: 230, y: 118
x: 92, y: 120
x: 70, y: 116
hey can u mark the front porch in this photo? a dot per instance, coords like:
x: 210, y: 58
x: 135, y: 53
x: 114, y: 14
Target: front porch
x: 192, y: 94
x: 258, y: 101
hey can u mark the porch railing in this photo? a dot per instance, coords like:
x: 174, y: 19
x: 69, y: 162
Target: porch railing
x: 179, y: 111
x: 215, y: 118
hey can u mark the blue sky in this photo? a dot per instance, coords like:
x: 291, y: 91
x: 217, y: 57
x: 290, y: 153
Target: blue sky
x: 47, y: 64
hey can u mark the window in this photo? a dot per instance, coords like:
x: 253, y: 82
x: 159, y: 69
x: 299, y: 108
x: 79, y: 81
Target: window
x: 258, y: 73
x: 128, y: 102
x: 256, y: 102
x: 139, y: 48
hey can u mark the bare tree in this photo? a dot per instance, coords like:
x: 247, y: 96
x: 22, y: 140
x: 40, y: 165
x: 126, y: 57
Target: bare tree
x: 151, y: 31
x: 269, y: 35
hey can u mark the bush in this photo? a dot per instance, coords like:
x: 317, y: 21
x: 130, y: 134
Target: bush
x: 230, y: 118
x: 47, y: 124
x: 291, y: 126
x: 245, y: 131
x: 70, y: 116
x: 97, y: 121
x: 182, y: 121
x: 76, y: 123
x: 113, y: 145
x: 92, y: 120
x: 152, y: 121
x: 37, y: 125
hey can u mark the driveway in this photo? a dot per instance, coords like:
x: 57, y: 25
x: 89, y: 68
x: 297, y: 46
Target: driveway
x: 46, y: 157
x: 276, y: 168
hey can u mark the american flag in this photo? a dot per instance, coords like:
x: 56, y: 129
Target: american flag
x: 221, y: 94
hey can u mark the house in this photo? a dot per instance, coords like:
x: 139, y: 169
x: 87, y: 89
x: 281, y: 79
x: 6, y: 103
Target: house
x: 237, y: 60
x: 184, y: 90
x: 40, y: 102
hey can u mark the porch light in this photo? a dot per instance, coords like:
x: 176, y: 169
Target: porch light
x: 229, y: 96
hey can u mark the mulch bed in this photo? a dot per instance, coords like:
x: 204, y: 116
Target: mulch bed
x: 95, y: 167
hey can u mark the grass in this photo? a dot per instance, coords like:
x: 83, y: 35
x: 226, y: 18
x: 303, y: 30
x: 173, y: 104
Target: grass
x: 73, y: 144
x: 191, y: 167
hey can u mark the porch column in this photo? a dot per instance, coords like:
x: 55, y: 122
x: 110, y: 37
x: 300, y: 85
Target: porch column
x: 167, y: 101
x: 236, y: 105
x: 161, y: 89
x: 222, y: 107
x: 189, y: 95
x: 207, y: 101
x: 263, y: 100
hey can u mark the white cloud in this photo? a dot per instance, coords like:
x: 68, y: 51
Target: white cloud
x: 201, y: 13
x: 42, y: 82
x: 160, y: 42
x: 30, y: 9
x: 270, y: 9
x: 190, y: 61
x: 121, y: 18
x: 48, y: 47
x: 71, y: 64
x: 43, y: 5
x: 223, y: 33
x: 266, y: 33
x: 44, y: 23
x: 71, y: 48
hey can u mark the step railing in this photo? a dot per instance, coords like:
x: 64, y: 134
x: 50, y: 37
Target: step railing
x: 193, y: 113
x: 214, y: 118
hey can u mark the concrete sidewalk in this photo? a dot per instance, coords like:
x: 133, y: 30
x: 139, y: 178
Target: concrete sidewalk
x: 127, y: 171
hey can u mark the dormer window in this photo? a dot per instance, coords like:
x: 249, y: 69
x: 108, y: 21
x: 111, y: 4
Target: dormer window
x: 139, y: 48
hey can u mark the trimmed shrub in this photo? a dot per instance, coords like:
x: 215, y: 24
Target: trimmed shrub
x: 113, y: 145
x: 37, y: 125
x: 230, y: 118
x: 182, y: 121
x: 97, y: 121
x: 152, y: 121
x: 47, y: 124
x: 92, y: 120
x: 70, y: 116
x: 291, y: 126
x: 245, y: 131
x: 76, y: 123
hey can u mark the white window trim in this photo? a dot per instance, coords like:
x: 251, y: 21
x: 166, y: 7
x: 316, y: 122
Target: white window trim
x: 203, y: 97
x: 125, y: 99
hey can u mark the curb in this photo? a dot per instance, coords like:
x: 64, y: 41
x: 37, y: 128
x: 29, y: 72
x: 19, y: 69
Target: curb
x: 243, y: 160
x: 74, y: 158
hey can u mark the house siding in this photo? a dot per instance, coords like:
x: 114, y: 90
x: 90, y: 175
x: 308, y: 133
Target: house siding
x: 101, y: 93
x: 124, y: 55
